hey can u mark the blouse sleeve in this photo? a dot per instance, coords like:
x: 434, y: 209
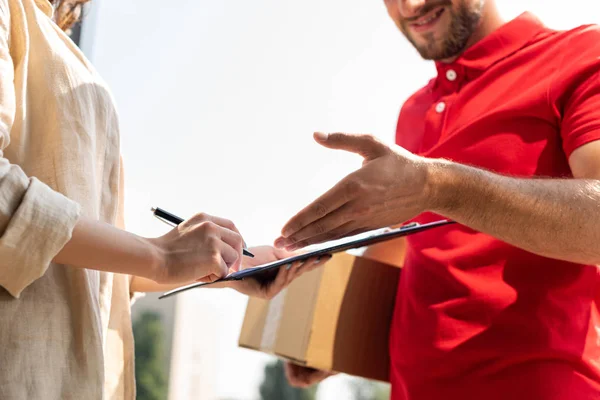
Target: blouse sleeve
x: 35, y: 221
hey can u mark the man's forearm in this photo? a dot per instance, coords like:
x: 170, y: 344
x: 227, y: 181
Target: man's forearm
x: 557, y: 218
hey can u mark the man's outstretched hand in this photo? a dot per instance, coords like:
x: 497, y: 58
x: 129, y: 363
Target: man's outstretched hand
x: 390, y: 188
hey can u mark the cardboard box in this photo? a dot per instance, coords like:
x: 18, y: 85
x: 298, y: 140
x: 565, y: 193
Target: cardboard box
x: 336, y: 318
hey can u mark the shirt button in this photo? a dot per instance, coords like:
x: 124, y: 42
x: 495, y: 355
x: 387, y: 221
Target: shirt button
x: 451, y: 75
x: 440, y: 107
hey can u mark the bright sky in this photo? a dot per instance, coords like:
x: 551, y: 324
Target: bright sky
x: 218, y: 101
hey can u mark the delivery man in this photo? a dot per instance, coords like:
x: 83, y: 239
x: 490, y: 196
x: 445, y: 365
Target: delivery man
x: 504, y: 140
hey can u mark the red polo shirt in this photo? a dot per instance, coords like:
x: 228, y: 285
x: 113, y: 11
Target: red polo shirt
x: 477, y: 318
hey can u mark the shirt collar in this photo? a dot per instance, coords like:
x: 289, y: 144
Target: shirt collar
x: 500, y: 44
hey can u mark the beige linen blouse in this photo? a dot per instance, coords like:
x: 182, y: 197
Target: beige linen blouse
x: 65, y: 333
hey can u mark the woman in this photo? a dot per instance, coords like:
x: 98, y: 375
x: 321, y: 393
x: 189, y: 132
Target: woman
x: 66, y: 273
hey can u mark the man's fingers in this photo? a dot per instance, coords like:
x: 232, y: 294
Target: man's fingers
x: 325, y: 230
x: 299, y: 376
x: 367, y: 146
x: 325, y: 227
x: 345, y: 230
x: 331, y: 201
x: 295, y: 374
x: 290, y: 373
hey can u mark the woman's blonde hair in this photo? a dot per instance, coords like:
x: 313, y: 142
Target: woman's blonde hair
x: 67, y: 12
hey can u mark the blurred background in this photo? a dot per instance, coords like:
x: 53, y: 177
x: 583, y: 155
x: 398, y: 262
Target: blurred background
x: 218, y: 101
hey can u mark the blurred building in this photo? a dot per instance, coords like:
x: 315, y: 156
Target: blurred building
x: 187, y: 333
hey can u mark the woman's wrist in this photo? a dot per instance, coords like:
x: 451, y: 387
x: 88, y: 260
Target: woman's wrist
x: 157, y: 260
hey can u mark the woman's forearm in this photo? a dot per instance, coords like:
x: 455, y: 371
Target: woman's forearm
x: 145, y: 285
x: 100, y: 246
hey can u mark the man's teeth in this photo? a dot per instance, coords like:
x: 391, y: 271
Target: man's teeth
x: 428, y: 20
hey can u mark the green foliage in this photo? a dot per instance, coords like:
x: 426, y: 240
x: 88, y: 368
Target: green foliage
x: 150, y: 360
x: 275, y: 385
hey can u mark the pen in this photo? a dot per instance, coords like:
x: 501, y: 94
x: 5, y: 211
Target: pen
x: 166, y: 216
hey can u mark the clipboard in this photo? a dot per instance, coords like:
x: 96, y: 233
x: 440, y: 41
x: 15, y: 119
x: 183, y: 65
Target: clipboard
x: 265, y: 271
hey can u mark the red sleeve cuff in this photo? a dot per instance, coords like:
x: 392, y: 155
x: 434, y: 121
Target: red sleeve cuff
x: 573, y: 142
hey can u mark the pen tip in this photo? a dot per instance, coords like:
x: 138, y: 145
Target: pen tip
x: 153, y: 209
